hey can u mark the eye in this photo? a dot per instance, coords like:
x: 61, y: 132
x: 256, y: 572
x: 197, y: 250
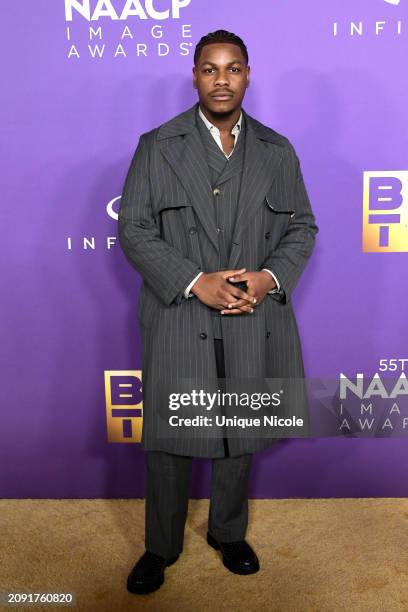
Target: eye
x: 206, y: 69
x: 237, y: 69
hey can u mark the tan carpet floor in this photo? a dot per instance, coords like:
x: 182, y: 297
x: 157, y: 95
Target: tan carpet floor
x: 315, y: 555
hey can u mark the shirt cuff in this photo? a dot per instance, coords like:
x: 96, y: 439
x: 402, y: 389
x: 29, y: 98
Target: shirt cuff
x: 187, y: 293
x: 277, y: 288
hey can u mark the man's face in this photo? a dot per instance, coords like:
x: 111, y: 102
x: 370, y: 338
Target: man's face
x: 221, y: 77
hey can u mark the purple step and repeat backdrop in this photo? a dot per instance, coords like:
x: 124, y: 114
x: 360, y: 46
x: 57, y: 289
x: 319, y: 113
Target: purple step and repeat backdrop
x: 81, y: 80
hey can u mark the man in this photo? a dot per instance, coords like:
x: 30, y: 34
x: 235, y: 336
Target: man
x: 215, y: 217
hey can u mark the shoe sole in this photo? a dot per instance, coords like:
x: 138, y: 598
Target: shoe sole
x: 145, y: 589
x: 232, y: 568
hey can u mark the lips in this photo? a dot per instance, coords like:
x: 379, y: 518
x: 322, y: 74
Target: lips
x: 222, y: 95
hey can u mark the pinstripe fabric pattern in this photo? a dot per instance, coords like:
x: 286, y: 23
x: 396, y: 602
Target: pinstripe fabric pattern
x: 167, y: 230
x: 167, y: 491
x: 225, y: 177
x: 228, y: 513
x: 167, y: 494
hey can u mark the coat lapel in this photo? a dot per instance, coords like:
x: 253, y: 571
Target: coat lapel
x: 187, y: 157
x: 263, y: 156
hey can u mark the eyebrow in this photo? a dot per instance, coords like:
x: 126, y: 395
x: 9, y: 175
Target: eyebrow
x: 229, y: 63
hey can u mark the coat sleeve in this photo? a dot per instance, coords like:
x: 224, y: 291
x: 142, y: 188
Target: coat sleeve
x: 161, y: 266
x: 289, y: 259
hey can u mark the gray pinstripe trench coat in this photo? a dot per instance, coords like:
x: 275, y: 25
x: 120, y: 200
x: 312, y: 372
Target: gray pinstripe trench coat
x: 168, y: 233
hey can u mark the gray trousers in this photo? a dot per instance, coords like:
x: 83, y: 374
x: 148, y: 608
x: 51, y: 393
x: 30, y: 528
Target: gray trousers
x: 167, y: 492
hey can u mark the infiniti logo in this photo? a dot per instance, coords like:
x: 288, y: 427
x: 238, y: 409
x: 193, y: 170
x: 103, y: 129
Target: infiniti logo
x: 89, y: 243
x: 109, y: 209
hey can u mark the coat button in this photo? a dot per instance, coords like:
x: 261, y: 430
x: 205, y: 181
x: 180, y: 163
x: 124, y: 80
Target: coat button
x: 192, y: 230
x: 267, y: 234
x: 216, y: 191
x: 203, y: 335
x: 268, y: 333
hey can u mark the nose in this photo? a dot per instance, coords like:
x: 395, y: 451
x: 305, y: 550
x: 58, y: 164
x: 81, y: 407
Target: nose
x: 222, y: 78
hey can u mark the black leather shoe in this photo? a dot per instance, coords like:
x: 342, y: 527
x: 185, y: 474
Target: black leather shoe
x: 238, y: 557
x: 148, y: 573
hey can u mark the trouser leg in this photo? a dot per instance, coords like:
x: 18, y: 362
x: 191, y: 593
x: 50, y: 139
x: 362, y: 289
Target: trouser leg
x: 228, y: 516
x: 167, y: 493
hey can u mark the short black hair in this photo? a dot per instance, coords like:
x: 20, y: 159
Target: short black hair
x: 220, y: 36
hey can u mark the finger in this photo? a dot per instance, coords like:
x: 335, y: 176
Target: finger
x: 237, y: 278
x: 244, y: 308
x: 239, y: 303
x: 228, y: 311
x: 238, y: 294
x: 233, y: 272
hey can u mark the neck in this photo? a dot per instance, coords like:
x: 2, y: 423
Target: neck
x: 223, y: 121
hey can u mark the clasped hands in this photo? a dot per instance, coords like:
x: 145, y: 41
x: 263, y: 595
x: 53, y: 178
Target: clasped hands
x: 213, y: 289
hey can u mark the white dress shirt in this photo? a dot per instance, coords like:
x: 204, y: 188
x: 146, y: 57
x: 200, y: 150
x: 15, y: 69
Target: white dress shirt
x: 215, y: 132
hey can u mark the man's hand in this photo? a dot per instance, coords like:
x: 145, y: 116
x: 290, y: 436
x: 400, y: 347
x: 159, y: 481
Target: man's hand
x: 258, y: 285
x: 213, y: 289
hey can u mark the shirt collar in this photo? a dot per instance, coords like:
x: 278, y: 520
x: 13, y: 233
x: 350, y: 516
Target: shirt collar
x: 214, y: 128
